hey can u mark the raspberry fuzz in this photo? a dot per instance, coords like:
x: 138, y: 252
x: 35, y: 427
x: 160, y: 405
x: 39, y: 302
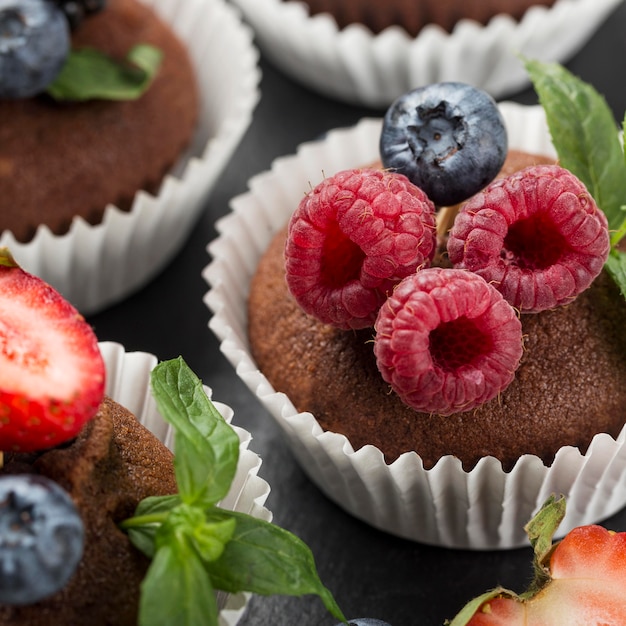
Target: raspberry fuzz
x: 352, y: 239
x: 537, y: 236
x: 446, y: 341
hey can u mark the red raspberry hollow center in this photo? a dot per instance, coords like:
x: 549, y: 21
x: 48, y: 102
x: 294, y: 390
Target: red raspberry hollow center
x: 534, y: 243
x: 458, y: 343
x: 341, y: 258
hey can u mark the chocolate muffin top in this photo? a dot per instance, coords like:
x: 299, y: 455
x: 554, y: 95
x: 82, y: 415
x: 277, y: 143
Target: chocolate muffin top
x: 62, y: 159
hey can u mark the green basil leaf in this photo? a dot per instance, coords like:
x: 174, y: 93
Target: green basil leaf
x: 266, y: 559
x: 156, y: 505
x: 211, y: 539
x: 149, y: 515
x: 195, y: 546
x: 206, y: 446
x: 143, y: 538
x: 207, y: 537
x: 176, y: 590
x: 620, y: 233
x: 89, y: 74
x: 585, y: 135
x: 616, y: 267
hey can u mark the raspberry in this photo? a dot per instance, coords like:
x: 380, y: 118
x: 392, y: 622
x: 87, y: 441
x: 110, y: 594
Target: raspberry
x: 352, y: 239
x: 447, y: 341
x: 537, y: 236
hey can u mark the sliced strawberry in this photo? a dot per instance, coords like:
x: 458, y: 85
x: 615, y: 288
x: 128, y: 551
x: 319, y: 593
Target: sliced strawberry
x: 52, y: 374
x: 582, y: 584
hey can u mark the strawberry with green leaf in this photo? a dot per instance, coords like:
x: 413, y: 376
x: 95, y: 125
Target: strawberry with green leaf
x: 585, y: 136
x: 52, y: 374
x: 579, y: 581
x: 197, y: 547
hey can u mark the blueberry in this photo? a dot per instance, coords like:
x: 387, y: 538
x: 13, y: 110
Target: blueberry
x: 41, y: 538
x: 448, y: 138
x: 34, y: 43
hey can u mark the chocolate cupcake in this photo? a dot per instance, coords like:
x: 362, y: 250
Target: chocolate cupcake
x: 368, y: 53
x: 67, y: 160
x: 94, y: 188
x: 121, y: 456
x: 477, y: 495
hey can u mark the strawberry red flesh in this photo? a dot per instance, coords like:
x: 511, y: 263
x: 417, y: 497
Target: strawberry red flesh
x: 351, y: 239
x: 51, y: 371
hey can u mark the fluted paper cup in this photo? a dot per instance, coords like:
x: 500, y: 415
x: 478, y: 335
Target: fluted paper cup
x: 356, y: 66
x: 485, y: 508
x: 128, y: 383
x: 95, y: 266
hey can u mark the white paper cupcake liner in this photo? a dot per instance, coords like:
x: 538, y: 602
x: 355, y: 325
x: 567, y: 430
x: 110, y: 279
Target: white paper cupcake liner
x: 447, y: 506
x: 97, y: 266
x: 358, y: 67
x: 128, y: 383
